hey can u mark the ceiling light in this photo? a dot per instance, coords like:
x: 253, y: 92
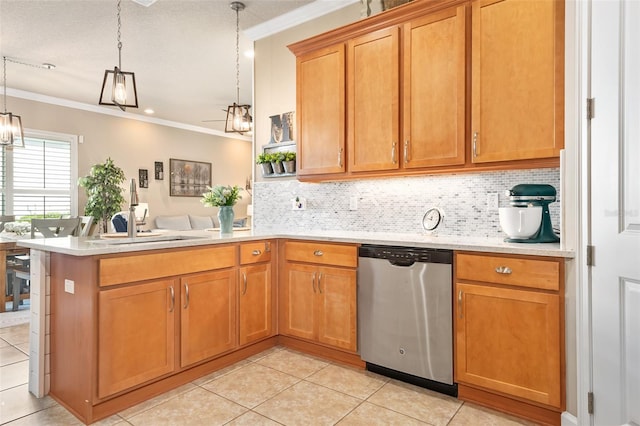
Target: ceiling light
x: 115, y: 90
x: 238, y: 118
x: 11, y: 133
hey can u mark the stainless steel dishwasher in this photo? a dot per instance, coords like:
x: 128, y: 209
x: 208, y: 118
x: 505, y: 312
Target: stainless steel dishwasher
x: 405, y: 314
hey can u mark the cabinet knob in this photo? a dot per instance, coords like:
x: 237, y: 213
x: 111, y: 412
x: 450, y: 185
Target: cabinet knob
x: 406, y: 151
x: 173, y: 299
x: 505, y: 270
x: 256, y: 252
x: 318, y: 253
x: 186, y: 295
x: 393, y: 153
x: 474, y: 144
x: 340, y: 157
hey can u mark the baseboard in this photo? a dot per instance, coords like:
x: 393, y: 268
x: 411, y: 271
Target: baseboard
x: 568, y: 419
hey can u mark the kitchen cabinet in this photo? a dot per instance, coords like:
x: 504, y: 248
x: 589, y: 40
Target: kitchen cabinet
x: 509, y: 336
x: 318, y: 293
x: 517, y: 80
x: 135, y: 335
x: 208, y: 315
x: 431, y: 129
x: 256, y: 312
x: 321, y: 111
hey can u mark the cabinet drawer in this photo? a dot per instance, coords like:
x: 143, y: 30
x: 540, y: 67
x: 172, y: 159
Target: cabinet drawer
x: 524, y: 272
x: 125, y: 269
x: 322, y: 253
x: 259, y: 251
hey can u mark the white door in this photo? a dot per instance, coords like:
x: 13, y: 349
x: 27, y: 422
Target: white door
x: 615, y: 211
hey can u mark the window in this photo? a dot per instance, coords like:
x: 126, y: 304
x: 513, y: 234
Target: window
x: 40, y: 179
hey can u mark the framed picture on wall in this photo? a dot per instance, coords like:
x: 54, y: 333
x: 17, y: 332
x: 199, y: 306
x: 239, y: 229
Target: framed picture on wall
x: 159, y: 170
x: 188, y: 178
x: 143, y: 178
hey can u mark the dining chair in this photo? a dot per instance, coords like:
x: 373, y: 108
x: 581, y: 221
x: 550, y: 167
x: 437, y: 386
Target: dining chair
x: 54, y: 228
x: 84, y: 227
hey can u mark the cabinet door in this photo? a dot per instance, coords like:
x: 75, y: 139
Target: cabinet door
x: 434, y: 89
x: 321, y: 112
x: 208, y: 315
x: 337, y: 307
x: 297, y: 309
x: 255, y: 303
x: 135, y: 335
x: 509, y: 341
x: 517, y: 79
x: 373, y: 99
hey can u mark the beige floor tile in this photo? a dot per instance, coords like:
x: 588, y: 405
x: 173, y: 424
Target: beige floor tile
x: 14, y: 374
x: 471, y: 414
x: 24, y: 347
x: 416, y: 402
x: 307, y: 403
x: 265, y: 353
x: 4, y: 343
x: 15, y: 335
x: 372, y: 415
x: 18, y: 402
x: 252, y: 419
x: 150, y: 403
x: 209, y: 377
x: 293, y: 363
x: 359, y: 383
x: 10, y: 355
x: 251, y: 385
x: 53, y: 416
x: 193, y: 408
x: 111, y: 421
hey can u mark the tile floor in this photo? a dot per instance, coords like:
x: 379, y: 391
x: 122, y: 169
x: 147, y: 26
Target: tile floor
x: 276, y: 387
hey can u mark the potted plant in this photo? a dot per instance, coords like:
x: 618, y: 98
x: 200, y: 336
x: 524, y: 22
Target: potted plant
x: 264, y: 159
x: 276, y: 162
x: 104, y: 193
x: 223, y: 197
x: 289, y: 162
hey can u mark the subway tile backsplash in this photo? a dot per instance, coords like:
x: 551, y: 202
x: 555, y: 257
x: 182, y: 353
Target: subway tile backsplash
x: 395, y: 204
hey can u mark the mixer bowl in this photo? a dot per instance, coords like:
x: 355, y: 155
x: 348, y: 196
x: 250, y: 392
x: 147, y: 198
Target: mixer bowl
x: 520, y: 222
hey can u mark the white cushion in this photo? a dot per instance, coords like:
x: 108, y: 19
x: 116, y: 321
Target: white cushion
x: 201, y: 222
x: 177, y: 223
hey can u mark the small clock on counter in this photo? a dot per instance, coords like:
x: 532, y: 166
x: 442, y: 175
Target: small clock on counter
x: 432, y: 219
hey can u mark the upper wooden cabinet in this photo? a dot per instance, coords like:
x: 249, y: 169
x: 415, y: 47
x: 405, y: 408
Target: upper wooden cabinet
x: 434, y: 86
x: 321, y: 111
x: 517, y: 80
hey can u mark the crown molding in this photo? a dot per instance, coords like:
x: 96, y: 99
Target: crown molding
x: 296, y: 17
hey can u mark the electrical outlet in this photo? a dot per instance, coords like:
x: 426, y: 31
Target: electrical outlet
x: 69, y: 286
x: 493, y: 201
x: 299, y: 203
x: 353, y: 203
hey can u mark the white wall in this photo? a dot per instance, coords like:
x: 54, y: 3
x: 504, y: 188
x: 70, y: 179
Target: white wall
x: 137, y: 145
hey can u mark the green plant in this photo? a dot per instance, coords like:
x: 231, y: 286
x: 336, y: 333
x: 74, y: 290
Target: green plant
x: 289, y: 156
x: 221, y: 195
x: 263, y: 158
x: 277, y: 157
x: 104, y: 194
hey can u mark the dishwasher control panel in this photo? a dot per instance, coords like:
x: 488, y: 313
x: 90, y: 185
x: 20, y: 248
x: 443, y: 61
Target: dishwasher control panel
x: 406, y: 254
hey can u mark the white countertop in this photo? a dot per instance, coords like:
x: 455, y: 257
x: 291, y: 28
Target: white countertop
x: 88, y: 246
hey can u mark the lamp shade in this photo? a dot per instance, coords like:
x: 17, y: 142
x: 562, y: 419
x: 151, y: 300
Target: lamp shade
x: 11, y: 132
x: 238, y: 119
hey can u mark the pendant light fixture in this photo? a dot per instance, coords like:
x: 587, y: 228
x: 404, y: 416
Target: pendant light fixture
x: 119, y: 87
x: 11, y: 133
x: 238, y: 118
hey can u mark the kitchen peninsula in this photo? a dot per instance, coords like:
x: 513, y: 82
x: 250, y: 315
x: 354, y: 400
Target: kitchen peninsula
x: 130, y: 321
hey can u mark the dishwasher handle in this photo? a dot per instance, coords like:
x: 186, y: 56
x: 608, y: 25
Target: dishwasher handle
x: 402, y: 262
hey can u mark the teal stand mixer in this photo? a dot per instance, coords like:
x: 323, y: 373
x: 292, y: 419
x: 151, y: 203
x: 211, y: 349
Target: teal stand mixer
x: 525, y: 195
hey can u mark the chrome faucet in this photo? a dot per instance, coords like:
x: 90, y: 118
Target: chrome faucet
x: 133, y: 202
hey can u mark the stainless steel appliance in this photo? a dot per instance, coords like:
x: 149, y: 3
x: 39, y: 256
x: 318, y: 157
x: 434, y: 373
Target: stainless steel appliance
x: 405, y: 314
x: 525, y: 195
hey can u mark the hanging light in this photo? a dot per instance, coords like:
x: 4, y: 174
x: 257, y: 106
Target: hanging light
x: 119, y: 87
x: 238, y: 117
x: 11, y: 133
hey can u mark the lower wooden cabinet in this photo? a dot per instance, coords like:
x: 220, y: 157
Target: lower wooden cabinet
x: 255, y: 300
x: 318, y: 303
x: 208, y: 315
x: 135, y: 335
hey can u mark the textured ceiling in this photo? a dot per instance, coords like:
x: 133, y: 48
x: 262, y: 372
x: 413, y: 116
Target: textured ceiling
x: 182, y: 51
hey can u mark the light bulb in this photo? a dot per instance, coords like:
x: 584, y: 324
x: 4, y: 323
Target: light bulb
x: 119, y: 89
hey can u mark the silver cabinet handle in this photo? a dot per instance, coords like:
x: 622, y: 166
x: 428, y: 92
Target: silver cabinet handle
x: 406, y: 151
x: 186, y: 295
x: 256, y: 252
x: 319, y: 281
x: 475, y: 144
x: 460, y: 304
x: 393, y: 153
x: 313, y: 282
x: 244, y: 280
x: 318, y: 253
x: 173, y: 299
x: 503, y: 270
x: 340, y: 157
